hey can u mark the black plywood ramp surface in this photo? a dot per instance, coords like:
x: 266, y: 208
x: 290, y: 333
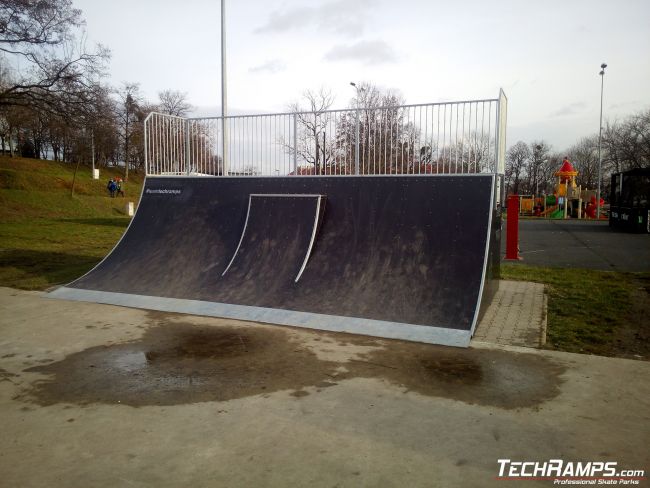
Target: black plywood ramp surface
x: 392, y: 256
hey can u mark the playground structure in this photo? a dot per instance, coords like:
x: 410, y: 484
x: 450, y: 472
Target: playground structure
x: 374, y: 241
x: 569, y: 200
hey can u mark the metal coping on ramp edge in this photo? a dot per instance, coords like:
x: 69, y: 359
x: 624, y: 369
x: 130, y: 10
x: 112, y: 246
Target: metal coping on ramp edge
x: 378, y: 328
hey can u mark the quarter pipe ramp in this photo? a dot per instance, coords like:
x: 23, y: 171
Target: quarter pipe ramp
x: 408, y: 257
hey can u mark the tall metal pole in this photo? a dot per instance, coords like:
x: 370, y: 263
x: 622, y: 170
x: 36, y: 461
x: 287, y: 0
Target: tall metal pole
x: 224, y: 91
x: 600, y: 136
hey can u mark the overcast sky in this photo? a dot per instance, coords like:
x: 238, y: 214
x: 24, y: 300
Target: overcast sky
x: 545, y: 54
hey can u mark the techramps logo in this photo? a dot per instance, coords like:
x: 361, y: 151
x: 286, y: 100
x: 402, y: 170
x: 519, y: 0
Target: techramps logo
x: 163, y: 191
x: 561, y: 472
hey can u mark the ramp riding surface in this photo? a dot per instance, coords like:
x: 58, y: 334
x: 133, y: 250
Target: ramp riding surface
x: 390, y: 256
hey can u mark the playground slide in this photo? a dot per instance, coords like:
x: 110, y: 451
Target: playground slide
x: 548, y: 211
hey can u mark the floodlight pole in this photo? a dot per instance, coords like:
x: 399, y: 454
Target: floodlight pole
x: 224, y: 91
x: 600, y: 136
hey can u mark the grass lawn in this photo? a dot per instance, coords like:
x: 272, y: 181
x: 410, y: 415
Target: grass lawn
x: 49, y: 237
x: 597, y: 312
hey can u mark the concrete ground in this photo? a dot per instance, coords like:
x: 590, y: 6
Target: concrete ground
x: 580, y: 244
x: 101, y: 396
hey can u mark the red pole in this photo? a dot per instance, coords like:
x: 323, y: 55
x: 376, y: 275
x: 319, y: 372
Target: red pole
x: 512, y: 228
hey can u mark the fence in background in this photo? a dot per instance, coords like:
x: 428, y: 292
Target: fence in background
x: 435, y: 138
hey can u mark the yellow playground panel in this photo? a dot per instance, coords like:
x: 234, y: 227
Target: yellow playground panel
x: 526, y: 204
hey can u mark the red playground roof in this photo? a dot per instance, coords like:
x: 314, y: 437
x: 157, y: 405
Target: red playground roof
x: 566, y: 169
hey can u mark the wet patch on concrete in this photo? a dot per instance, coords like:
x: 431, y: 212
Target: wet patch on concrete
x: 477, y: 376
x: 178, y: 363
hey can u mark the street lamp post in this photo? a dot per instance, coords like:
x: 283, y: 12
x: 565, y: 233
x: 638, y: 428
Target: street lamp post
x: 600, y: 136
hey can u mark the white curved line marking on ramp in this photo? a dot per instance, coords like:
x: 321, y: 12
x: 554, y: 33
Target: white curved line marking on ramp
x: 311, y: 242
x: 241, y: 239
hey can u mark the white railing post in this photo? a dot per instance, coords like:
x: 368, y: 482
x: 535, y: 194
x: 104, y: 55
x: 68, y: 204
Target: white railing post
x: 224, y: 145
x: 295, y: 144
x: 187, y: 147
x: 502, y: 110
x: 356, y: 145
x: 146, y: 147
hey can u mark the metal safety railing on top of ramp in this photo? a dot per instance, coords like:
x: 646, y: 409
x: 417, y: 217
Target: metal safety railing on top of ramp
x: 434, y: 138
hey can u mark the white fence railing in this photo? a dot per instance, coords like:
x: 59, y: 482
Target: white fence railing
x: 435, y: 138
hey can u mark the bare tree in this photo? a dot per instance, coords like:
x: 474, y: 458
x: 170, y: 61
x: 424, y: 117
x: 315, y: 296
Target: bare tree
x: 380, y: 127
x: 584, y: 158
x: 102, y: 126
x: 56, y: 72
x: 127, y: 115
x: 388, y: 143
x: 473, y: 155
x: 547, y: 171
x: 540, y: 151
x: 174, y: 102
x: 626, y: 144
x: 517, y: 159
x: 311, y: 143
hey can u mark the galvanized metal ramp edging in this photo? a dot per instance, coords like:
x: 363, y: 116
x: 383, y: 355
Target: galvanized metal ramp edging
x: 390, y: 330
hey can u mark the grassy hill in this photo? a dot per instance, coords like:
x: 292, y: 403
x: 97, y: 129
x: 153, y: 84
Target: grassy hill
x: 49, y: 237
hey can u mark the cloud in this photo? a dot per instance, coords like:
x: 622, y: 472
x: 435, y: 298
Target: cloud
x: 272, y: 66
x: 343, y: 17
x: 367, y: 52
x: 571, y: 109
x: 625, y: 105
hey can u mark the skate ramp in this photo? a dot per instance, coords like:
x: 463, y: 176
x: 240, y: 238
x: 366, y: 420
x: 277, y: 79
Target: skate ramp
x: 390, y: 256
